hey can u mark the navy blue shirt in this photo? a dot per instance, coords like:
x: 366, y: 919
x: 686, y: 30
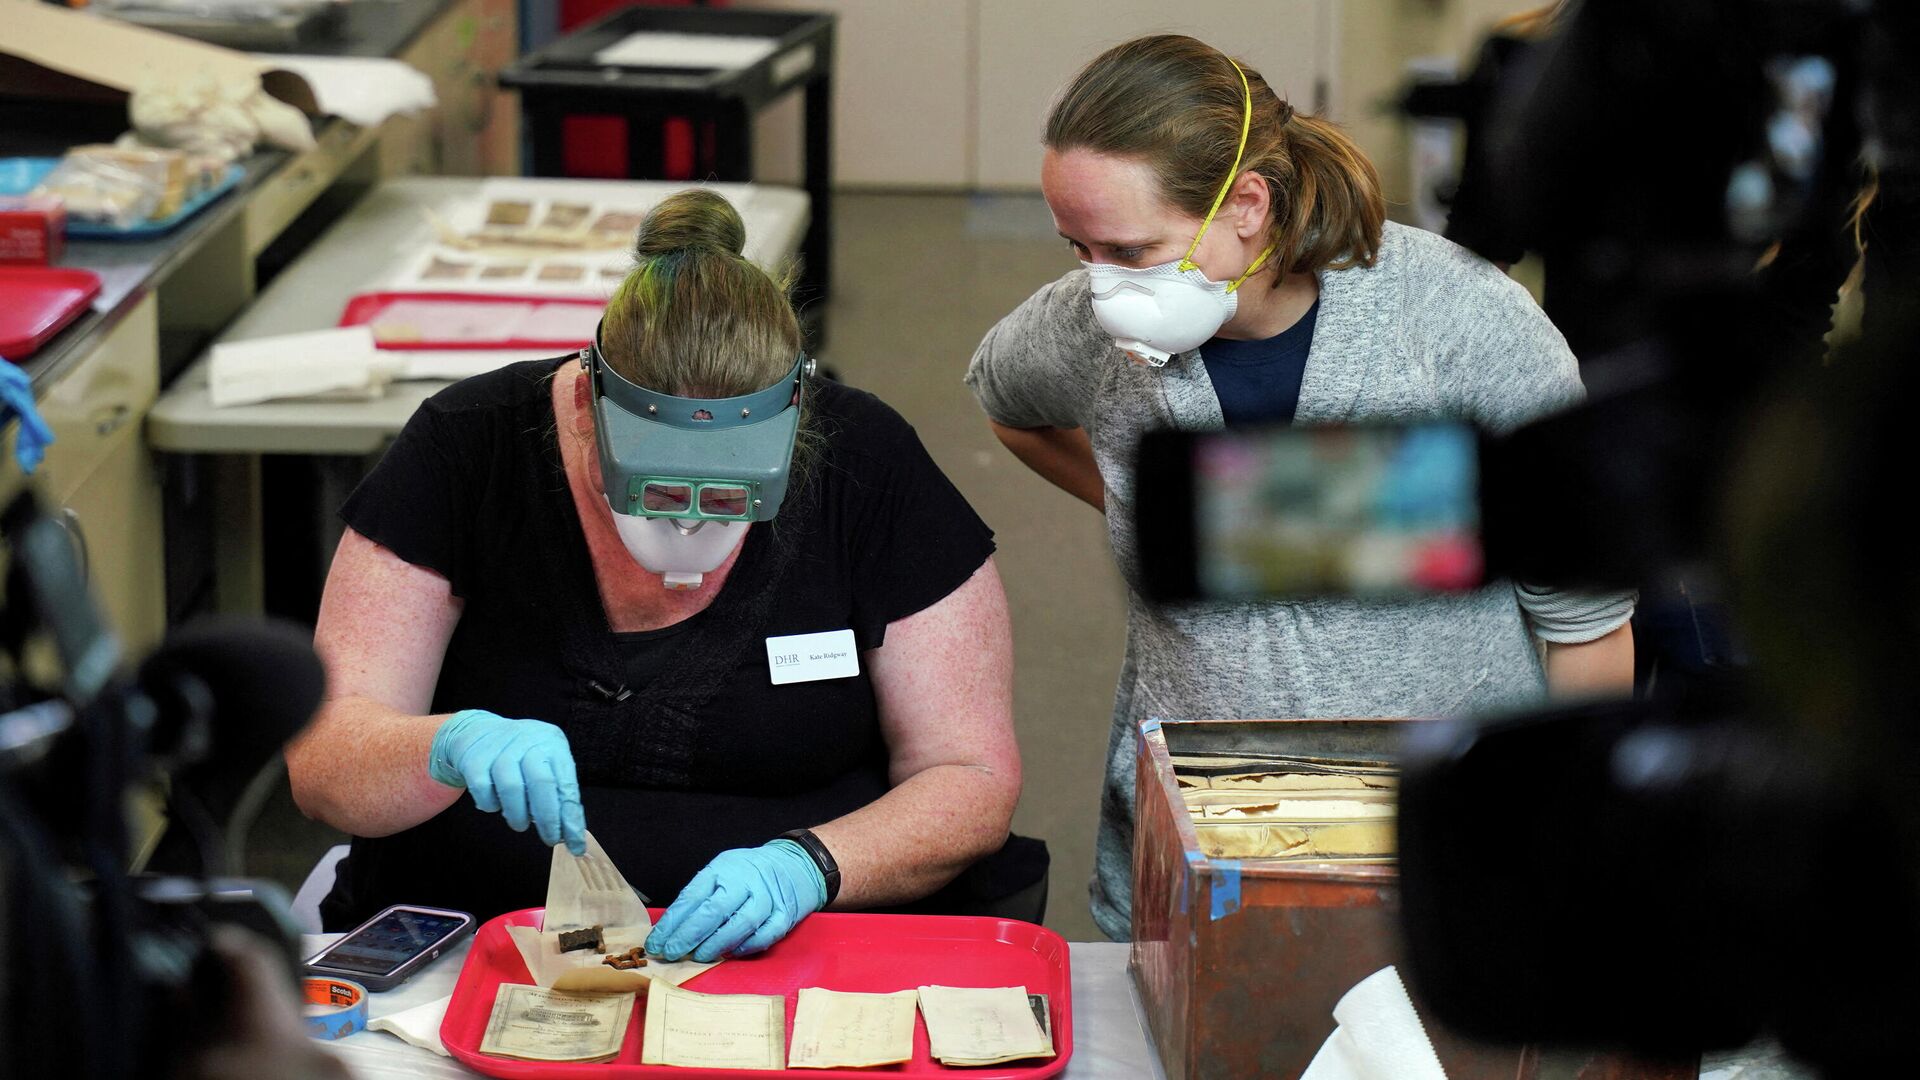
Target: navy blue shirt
x: 1258, y: 382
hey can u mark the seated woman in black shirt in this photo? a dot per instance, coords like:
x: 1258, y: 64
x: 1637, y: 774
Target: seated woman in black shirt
x: 490, y: 622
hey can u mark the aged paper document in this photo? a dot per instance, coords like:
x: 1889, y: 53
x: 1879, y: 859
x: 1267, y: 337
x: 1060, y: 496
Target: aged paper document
x: 981, y: 1025
x: 550, y: 1025
x: 835, y: 1030
x: 714, y: 1031
x: 585, y: 891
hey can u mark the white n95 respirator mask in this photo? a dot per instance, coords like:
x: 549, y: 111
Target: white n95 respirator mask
x: 1156, y: 311
x: 1161, y: 310
x: 682, y: 552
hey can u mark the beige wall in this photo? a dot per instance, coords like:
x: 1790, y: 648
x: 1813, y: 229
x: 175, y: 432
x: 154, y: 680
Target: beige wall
x: 1027, y: 51
x: 949, y: 94
x: 903, y: 94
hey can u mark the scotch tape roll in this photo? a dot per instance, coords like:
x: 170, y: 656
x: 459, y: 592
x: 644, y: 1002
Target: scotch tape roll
x: 336, y: 1008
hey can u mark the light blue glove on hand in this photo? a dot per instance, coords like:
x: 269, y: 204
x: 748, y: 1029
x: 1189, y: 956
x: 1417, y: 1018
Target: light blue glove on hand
x: 521, y: 769
x: 744, y: 901
x: 16, y: 399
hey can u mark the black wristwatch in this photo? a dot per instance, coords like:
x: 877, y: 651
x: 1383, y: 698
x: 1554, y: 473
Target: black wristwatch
x: 821, y: 857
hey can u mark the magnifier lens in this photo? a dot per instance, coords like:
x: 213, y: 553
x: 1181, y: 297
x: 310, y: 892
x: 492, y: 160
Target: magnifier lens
x: 666, y: 498
x: 723, y: 502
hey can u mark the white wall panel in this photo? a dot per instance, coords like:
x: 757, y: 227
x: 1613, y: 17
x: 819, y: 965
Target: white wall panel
x: 903, y: 96
x: 1028, y: 50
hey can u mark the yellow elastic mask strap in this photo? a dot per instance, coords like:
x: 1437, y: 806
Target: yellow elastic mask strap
x: 1257, y: 264
x: 1246, y: 125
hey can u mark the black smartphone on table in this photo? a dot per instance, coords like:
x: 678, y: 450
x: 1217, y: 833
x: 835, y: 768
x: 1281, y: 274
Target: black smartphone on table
x: 389, y: 948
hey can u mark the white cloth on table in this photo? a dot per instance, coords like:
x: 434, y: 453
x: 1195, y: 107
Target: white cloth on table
x: 419, y: 1025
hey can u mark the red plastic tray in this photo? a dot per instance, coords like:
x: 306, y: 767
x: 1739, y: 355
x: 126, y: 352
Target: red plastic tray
x: 853, y: 952
x: 37, y: 301
x: 368, y: 308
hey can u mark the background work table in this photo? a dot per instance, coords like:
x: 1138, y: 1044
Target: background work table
x: 382, y: 233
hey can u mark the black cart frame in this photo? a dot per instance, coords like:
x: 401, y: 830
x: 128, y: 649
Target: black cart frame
x: 563, y: 80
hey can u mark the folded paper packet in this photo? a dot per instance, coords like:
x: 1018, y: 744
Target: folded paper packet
x: 969, y: 1025
x: 588, y: 891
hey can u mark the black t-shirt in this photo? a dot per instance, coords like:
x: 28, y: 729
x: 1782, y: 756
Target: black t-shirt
x: 683, y: 745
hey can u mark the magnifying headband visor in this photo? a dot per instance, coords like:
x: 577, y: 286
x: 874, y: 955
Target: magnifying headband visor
x: 723, y: 459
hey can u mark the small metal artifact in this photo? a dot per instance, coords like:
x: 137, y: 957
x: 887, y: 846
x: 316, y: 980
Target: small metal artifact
x: 633, y: 958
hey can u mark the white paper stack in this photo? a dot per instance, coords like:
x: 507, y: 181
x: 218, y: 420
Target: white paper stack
x: 721, y: 52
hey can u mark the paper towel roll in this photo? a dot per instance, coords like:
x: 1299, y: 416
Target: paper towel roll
x: 1380, y: 1036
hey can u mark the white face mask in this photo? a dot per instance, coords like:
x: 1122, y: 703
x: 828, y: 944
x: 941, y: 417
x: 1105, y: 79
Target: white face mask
x: 682, y: 552
x: 1156, y: 311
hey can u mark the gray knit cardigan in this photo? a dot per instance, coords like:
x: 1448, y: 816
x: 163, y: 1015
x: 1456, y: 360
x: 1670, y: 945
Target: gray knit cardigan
x: 1429, y: 331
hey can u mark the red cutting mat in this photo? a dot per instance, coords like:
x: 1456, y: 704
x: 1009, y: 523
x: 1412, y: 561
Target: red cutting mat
x: 852, y: 952
x: 36, y: 301
x: 447, y: 320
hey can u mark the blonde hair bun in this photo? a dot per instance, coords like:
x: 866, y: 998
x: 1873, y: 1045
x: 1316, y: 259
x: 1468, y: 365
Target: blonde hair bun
x: 692, y: 220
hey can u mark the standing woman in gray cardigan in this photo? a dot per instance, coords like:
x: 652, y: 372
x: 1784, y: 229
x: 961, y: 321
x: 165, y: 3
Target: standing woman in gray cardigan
x: 1283, y: 296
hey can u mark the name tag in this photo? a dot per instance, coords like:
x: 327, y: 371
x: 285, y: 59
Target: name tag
x: 812, y: 657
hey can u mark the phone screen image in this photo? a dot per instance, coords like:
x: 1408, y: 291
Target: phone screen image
x: 383, y: 946
x: 1351, y: 511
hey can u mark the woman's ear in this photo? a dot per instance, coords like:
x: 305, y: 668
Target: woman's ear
x: 582, y: 425
x: 1249, y: 205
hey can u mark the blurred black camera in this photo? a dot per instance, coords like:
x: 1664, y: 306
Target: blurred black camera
x: 104, y: 973
x: 1659, y: 875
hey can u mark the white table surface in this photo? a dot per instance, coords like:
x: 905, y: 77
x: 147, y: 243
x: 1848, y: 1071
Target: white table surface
x: 1110, y: 1040
x: 1109, y: 1031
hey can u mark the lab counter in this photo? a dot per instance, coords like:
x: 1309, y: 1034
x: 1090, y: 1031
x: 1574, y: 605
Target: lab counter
x: 376, y: 28
x: 131, y: 270
x: 137, y: 520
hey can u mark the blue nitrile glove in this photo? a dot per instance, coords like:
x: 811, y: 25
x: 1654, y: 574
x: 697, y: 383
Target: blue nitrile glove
x: 521, y: 769
x: 744, y: 901
x: 16, y: 399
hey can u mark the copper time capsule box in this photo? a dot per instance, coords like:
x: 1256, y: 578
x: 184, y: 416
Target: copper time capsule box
x: 1264, y: 889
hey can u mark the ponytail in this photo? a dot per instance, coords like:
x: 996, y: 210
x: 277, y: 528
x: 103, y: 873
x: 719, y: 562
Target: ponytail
x: 1327, y: 206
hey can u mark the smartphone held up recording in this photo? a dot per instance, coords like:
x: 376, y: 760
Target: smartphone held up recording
x: 1285, y: 511
x: 1383, y: 511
